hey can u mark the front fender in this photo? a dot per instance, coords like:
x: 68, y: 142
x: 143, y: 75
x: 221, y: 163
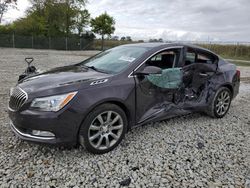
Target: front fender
x: 121, y: 94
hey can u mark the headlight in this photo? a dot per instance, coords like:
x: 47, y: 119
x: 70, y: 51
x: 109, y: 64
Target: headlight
x: 52, y: 103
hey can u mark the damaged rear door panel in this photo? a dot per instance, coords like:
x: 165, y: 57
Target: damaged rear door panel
x: 201, y: 78
x: 188, y: 82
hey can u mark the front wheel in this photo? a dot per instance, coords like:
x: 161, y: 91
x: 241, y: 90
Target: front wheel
x: 103, y: 129
x: 221, y: 103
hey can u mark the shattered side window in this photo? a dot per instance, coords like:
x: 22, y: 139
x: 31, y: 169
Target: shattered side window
x: 169, y: 79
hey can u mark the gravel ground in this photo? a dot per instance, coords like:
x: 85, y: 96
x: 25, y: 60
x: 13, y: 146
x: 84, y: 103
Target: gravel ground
x: 189, y: 151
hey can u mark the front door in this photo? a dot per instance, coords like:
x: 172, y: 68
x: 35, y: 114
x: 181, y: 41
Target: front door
x: 155, y: 94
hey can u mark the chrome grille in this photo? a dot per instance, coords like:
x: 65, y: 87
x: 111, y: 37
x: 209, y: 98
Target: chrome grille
x: 17, y: 98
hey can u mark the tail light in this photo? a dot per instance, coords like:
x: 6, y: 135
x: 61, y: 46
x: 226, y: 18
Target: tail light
x: 238, y: 73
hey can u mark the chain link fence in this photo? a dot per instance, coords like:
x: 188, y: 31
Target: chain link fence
x: 228, y: 50
x: 42, y: 42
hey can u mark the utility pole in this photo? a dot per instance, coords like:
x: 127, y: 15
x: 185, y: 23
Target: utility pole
x: 81, y: 43
x: 49, y: 42
x: 32, y: 42
x: 13, y: 40
x: 66, y: 43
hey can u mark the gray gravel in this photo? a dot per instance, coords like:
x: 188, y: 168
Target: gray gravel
x: 189, y: 151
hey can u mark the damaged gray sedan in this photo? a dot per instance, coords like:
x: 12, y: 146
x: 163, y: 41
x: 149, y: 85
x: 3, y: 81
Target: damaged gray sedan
x: 97, y: 101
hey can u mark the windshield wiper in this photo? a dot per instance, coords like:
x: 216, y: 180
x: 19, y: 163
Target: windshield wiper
x: 96, y: 69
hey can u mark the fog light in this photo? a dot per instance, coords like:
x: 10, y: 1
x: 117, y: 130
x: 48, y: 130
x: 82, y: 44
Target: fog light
x: 42, y: 133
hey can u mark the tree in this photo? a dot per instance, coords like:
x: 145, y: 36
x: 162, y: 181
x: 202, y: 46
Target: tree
x: 5, y: 5
x: 44, y: 18
x: 61, y: 16
x: 128, y: 38
x: 156, y: 40
x: 72, y: 8
x: 82, y: 20
x: 6, y: 29
x: 51, y: 18
x: 103, y: 25
x: 33, y: 24
x: 54, y: 15
x: 115, y: 38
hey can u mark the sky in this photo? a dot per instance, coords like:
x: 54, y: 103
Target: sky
x: 186, y: 20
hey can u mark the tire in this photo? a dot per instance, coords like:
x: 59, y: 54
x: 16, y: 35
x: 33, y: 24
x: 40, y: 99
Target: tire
x: 221, y: 103
x: 103, y: 129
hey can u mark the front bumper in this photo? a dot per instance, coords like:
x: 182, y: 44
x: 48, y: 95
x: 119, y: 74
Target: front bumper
x: 24, y: 135
x: 63, y: 125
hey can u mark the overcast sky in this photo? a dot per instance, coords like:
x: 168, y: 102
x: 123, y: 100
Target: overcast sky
x: 220, y: 20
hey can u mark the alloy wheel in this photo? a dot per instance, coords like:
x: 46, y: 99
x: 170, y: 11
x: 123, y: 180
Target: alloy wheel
x: 105, y: 130
x: 222, y: 103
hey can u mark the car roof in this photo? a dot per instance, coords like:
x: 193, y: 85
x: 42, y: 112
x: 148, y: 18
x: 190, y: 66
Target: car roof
x: 157, y: 45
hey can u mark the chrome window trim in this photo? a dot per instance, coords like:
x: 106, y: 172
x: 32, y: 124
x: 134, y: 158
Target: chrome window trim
x: 168, y: 48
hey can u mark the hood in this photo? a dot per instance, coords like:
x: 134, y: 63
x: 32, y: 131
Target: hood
x: 59, y: 77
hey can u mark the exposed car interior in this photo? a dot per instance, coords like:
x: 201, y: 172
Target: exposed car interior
x: 197, y: 69
x: 192, y: 76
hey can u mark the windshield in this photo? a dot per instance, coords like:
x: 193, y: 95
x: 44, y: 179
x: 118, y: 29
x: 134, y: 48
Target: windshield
x: 114, y: 60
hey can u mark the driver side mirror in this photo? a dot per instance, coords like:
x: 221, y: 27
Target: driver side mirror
x: 149, y: 70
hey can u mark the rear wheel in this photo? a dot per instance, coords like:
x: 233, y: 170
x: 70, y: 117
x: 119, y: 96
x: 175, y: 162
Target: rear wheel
x: 221, y: 103
x: 103, y: 129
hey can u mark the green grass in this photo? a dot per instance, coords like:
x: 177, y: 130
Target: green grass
x: 237, y: 52
x: 237, y: 63
x: 236, y: 58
